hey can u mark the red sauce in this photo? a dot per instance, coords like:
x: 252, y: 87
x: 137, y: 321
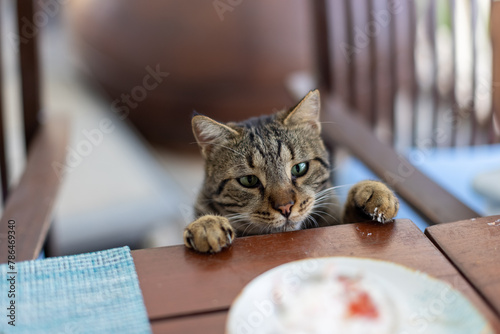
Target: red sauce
x: 362, y: 306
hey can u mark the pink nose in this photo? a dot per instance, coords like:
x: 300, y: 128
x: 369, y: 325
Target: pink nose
x: 286, y: 209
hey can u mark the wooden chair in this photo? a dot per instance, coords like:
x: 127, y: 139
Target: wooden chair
x: 365, y: 108
x: 366, y: 75
x: 28, y: 205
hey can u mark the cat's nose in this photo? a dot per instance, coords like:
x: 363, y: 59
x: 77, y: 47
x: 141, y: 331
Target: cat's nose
x: 285, y: 209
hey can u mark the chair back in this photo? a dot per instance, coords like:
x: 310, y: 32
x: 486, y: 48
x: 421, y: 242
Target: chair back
x: 418, y: 72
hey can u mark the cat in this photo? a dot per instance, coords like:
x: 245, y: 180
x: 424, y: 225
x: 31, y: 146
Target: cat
x: 273, y: 174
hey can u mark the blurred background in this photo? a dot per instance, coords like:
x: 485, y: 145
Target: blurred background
x: 129, y: 75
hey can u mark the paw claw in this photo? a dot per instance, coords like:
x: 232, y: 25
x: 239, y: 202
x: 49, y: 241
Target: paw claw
x: 191, y: 243
x: 188, y: 239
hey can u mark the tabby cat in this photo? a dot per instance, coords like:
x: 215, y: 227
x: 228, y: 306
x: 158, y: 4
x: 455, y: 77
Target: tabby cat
x: 273, y: 174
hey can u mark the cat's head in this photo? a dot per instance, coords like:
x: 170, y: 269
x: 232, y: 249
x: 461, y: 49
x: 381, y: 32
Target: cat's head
x: 265, y: 174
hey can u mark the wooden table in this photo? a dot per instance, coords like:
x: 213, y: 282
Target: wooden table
x: 187, y: 292
x: 474, y: 248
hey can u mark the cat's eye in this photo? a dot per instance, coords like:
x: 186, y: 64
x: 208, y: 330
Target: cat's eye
x: 249, y: 181
x: 300, y: 169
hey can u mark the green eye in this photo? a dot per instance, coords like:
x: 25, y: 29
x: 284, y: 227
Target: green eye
x: 249, y: 181
x: 300, y: 169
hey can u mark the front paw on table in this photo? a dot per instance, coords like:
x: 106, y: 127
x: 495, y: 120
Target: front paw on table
x: 376, y: 200
x: 209, y: 234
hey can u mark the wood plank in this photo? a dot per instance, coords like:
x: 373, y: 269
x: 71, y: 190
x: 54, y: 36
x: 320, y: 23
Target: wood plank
x: 430, y: 200
x: 199, y: 324
x: 176, y: 281
x: 30, y: 204
x: 474, y: 247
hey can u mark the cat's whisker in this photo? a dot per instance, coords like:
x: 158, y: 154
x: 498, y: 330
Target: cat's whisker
x: 326, y: 203
x: 245, y: 223
x: 248, y: 225
x: 309, y: 219
x: 306, y: 219
x: 314, y: 220
x: 265, y: 229
x: 238, y: 222
x: 305, y: 222
x: 325, y: 195
x: 236, y: 216
x: 319, y: 213
x: 268, y: 229
x: 315, y: 213
x: 330, y: 189
x: 238, y: 219
x: 323, y: 199
x: 242, y: 223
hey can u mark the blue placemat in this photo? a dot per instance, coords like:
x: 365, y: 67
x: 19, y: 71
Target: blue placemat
x: 88, y: 293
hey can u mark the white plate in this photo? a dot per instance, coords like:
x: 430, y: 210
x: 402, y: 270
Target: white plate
x: 413, y: 301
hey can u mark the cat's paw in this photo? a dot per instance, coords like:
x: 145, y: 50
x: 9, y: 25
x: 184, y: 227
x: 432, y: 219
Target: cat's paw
x: 209, y: 234
x: 375, y: 199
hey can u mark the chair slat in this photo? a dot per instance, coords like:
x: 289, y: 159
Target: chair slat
x: 472, y: 106
x: 3, y: 160
x: 323, y: 56
x: 495, y: 85
x: 29, y: 70
x: 351, y: 73
x: 414, y: 89
x: 393, y: 78
x: 372, y: 110
x: 432, y: 31
x: 452, y: 94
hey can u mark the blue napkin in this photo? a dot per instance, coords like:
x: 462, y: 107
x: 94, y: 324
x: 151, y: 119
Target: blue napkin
x: 87, y: 293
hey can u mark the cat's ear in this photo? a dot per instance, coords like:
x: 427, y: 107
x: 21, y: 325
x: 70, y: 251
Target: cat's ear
x: 306, y: 113
x: 209, y: 133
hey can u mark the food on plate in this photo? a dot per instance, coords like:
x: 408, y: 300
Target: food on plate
x: 332, y: 302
